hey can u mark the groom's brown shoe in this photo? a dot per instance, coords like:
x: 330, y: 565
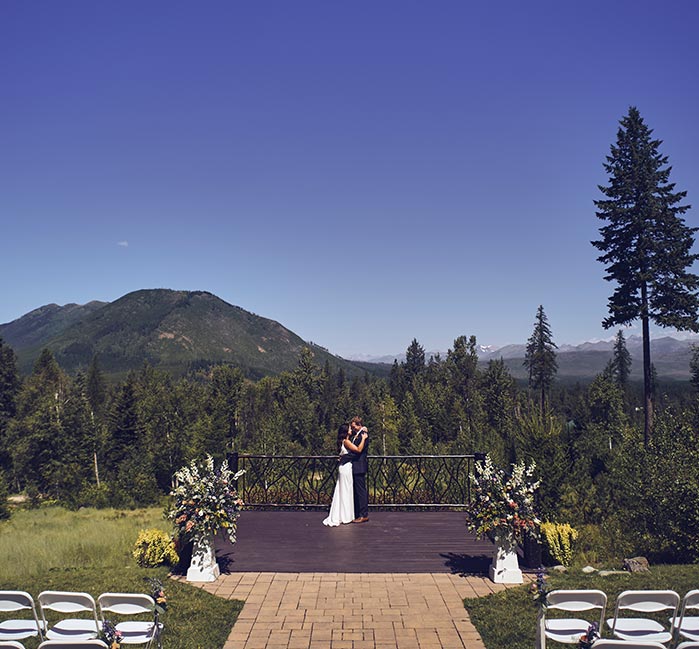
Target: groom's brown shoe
x: 361, y: 519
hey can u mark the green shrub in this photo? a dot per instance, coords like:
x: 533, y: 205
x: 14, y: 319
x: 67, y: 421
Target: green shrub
x: 95, y: 496
x: 153, y: 548
x: 558, y: 541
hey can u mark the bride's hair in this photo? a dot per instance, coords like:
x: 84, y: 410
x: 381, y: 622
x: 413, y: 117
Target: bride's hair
x: 342, y: 433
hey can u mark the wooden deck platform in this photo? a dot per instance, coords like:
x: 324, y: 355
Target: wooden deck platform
x: 391, y: 542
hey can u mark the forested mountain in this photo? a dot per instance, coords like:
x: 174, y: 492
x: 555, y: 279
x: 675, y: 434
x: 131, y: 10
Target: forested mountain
x: 171, y: 330
x: 181, y: 330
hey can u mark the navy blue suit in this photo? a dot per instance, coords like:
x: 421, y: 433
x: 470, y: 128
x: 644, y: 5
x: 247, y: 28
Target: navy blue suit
x: 360, y: 467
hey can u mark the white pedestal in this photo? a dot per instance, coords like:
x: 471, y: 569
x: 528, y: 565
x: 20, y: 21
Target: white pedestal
x: 203, y: 566
x: 505, y: 566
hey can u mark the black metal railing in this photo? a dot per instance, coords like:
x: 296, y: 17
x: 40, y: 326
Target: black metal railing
x: 394, y: 481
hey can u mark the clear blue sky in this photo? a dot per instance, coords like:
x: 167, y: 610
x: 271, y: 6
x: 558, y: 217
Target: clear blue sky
x: 363, y: 172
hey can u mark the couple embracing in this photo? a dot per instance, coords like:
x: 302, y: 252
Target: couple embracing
x: 350, y: 502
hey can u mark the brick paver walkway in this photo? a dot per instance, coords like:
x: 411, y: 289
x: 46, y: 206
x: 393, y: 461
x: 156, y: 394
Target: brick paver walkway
x: 352, y: 611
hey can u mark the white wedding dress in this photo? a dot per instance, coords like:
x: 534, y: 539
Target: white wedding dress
x: 342, y: 506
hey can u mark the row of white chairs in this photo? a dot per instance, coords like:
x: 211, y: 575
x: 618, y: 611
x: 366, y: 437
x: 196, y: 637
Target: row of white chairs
x: 639, y: 617
x: 70, y: 627
x: 606, y: 643
x: 64, y: 644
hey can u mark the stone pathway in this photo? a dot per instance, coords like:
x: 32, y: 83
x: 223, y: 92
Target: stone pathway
x: 352, y: 611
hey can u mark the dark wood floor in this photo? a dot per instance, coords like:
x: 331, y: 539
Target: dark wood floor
x: 297, y: 541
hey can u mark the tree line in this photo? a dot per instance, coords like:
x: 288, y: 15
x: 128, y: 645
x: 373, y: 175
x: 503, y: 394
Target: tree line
x: 616, y: 459
x: 84, y: 442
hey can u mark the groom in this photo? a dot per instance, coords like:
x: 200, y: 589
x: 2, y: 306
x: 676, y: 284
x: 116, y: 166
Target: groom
x: 359, y: 471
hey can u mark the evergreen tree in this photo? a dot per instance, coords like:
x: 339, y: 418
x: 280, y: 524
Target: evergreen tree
x: 645, y: 243
x: 223, y: 406
x: 621, y: 361
x: 499, y: 398
x: 96, y: 389
x: 9, y: 391
x: 540, y: 357
x: 414, y: 361
x: 123, y: 426
x: 36, y: 436
x: 397, y: 381
x: 694, y: 368
x: 467, y: 401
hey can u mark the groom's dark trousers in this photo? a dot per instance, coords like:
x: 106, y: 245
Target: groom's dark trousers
x: 360, y: 466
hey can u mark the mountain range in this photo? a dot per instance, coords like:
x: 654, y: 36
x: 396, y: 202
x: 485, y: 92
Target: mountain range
x: 172, y: 330
x: 179, y: 331
x: 669, y: 355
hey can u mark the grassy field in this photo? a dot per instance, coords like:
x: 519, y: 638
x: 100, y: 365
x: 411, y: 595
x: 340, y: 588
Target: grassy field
x: 90, y: 550
x: 508, y: 619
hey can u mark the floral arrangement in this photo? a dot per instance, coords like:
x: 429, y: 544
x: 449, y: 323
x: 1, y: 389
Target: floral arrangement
x: 158, y: 594
x: 110, y: 635
x: 588, y: 639
x: 539, y: 590
x: 205, y: 499
x: 502, y: 505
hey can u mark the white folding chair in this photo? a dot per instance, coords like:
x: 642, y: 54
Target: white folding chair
x: 12, y: 601
x: 688, y: 645
x: 685, y: 625
x: 138, y: 631
x: 644, y: 629
x: 73, y: 644
x: 68, y: 604
x: 605, y: 643
x: 568, y: 630
x: 11, y: 644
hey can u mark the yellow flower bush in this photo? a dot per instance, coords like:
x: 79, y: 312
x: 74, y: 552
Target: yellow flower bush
x: 558, y: 540
x: 154, y: 547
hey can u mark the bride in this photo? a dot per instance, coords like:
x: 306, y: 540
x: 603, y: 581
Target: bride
x: 342, y: 507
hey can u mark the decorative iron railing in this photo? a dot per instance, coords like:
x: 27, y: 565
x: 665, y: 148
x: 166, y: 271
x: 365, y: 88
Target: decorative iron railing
x: 394, y: 481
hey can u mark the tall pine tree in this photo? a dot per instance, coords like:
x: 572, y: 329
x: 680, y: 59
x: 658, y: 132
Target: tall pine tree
x: 540, y: 357
x: 645, y: 243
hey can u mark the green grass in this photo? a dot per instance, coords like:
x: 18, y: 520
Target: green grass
x: 90, y: 550
x: 508, y: 619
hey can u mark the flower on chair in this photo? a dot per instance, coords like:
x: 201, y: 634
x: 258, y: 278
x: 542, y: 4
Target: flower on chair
x: 158, y: 594
x: 539, y: 589
x: 586, y: 641
x: 111, y: 636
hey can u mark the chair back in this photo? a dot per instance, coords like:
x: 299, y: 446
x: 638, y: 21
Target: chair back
x: 73, y: 644
x: 648, y: 601
x: 125, y: 603
x: 688, y: 644
x: 607, y: 643
x: 15, y: 600
x: 67, y: 602
x: 689, y: 601
x: 576, y: 600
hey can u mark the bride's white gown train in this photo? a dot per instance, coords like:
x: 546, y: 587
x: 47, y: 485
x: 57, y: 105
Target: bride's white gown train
x: 342, y: 506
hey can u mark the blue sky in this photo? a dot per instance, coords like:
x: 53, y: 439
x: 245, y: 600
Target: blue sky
x: 363, y: 172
